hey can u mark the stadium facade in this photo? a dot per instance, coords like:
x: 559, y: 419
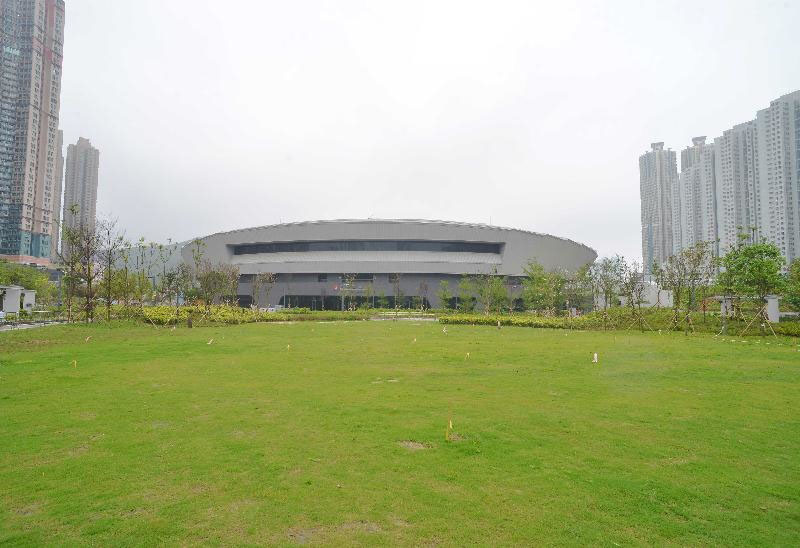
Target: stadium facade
x: 322, y: 264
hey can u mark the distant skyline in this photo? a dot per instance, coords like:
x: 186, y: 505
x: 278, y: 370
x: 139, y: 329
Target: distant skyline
x: 527, y: 115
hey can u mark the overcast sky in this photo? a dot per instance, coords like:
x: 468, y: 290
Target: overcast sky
x: 212, y: 116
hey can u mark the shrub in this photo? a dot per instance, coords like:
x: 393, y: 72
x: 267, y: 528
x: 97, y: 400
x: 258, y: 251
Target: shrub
x: 222, y: 314
x: 621, y: 319
x: 298, y: 310
x: 790, y: 329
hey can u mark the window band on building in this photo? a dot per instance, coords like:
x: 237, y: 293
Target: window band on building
x: 369, y: 245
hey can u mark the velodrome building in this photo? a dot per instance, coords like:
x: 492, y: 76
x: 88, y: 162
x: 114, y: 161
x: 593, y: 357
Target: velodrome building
x: 317, y: 263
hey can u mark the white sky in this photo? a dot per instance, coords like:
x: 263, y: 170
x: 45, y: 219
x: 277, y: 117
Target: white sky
x: 212, y: 116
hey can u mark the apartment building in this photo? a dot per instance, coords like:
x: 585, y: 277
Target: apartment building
x: 658, y: 177
x: 745, y: 184
x: 31, y: 53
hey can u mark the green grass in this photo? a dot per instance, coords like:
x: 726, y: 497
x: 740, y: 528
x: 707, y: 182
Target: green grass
x: 155, y: 436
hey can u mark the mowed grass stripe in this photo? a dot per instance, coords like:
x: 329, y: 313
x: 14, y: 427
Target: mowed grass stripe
x: 292, y: 433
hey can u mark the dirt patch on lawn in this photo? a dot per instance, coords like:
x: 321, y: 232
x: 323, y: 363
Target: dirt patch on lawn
x: 366, y: 526
x: 306, y: 535
x: 28, y: 510
x: 303, y: 535
x: 673, y: 461
x: 413, y: 445
x: 78, y: 451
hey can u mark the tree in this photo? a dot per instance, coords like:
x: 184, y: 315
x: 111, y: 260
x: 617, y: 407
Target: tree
x: 369, y: 296
x: 323, y: 294
x: 231, y: 276
x: 683, y: 274
x: 700, y: 268
x: 89, y: 252
x: 423, y: 291
x: 146, y: 263
x: 444, y: 295
x: 497, y: 294
x: 577, y: 289
x: 632, y: 287
x: 198, y: 252
x: 673, y: 277
x: 140, y: 286
x: 174, y: 283
x: 754, y: 271
x: 123, y: 282
x: 80, y: 257
x: 111, y: 244
x: 397, y: 290
x: 726, y: 286
x: 536, y: 287
x: 492, y: 292
x: 28, y: 277
x: 213, y: 281
x: 793, y: 285
x: 164, y: 253
x: 543, y: 290
x: 606, y: 275
x: 261, y: 281
x: 657, y: 274
x: 69, y: 258
x: 348, y: 291
x: 466, y: 290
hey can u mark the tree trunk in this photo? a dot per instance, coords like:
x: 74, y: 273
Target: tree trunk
x: 69, y: 302
x: 641, y: 318
x: 88, y: 301
x: 108, y: 292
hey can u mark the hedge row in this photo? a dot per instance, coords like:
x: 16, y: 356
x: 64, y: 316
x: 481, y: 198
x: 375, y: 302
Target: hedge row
x: 615, y: 318
x: 168, y: 315
x: 514, y: 321
x: 621, y: 318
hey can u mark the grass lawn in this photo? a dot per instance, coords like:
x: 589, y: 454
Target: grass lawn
x: 335, y: 433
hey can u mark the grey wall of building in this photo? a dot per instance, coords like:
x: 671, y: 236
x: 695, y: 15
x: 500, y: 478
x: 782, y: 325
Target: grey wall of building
x: 424, y: 286
x: 420, y: 271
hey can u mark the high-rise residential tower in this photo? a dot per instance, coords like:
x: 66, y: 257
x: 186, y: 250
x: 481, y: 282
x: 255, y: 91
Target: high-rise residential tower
x: 735, y: 168
x: 747, y: 184
x: 697, y: 195
x: 58, y: 194
x: 31, y: 52
x: 80, y: 185
x: 658, y: 176
x: 777, y: 178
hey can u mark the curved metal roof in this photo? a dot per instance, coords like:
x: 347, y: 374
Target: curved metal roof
x: 398, y: 221
x: 519, y: 246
